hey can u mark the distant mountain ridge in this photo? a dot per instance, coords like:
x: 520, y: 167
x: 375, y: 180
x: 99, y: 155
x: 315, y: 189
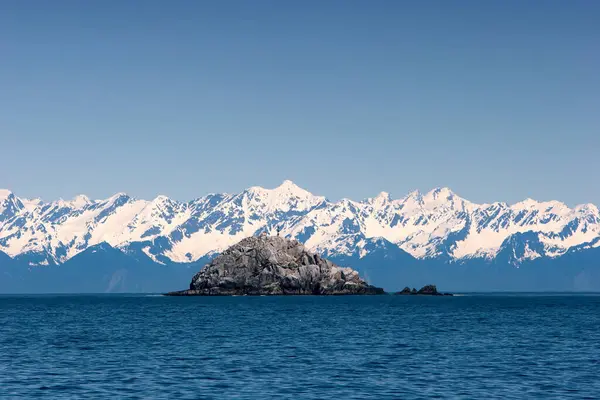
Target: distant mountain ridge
x: 437, y: 228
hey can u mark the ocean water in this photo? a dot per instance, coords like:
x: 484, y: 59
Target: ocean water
x: 142, y: 347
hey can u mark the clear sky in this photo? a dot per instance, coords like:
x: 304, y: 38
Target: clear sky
x: 498, y: 100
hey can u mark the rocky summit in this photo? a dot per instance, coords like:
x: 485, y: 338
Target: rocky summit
x: 273, y: 265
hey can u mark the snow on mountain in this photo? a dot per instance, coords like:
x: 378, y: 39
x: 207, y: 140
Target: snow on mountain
x: 437, y: 224
x: 556, y: 226
x: 10, y: 205
x: 219, y: 221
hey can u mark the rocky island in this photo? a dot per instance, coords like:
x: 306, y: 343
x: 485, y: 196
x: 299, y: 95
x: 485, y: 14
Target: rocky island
x: 273, y: 265
x: 427, y: 290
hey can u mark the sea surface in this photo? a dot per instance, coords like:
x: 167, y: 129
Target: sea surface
x: 514, y: 346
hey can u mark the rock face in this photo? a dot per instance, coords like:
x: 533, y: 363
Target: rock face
x: 427, y: 290
x: 269, y: 265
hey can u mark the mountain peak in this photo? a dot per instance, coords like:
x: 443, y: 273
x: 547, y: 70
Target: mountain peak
x: 5, y: 193
x: 424, y: 225
x: 30, y: 204
x: 382, y: 197
x: 290, y: 187
x: 288, y: 184
x: 415, y: 195
x: 439, y: 195
x: 527, y: 203
x: 161, y: 198
x: 117, y: 196
x: 81, y: 200
x: 589, y: 207
x: 440, y: 191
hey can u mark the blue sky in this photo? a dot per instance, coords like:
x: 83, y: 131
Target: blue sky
x: 498, y: 100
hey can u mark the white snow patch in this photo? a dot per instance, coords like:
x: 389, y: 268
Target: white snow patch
x: 424, y: 225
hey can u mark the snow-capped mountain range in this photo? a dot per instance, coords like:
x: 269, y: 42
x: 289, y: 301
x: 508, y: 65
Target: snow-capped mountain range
x: 435, y: 225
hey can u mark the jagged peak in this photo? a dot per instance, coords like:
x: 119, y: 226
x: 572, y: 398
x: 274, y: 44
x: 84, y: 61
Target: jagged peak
x: 81, y: 200
x: 553, y: 204
x: 286, y: 189
x: 444, y: 197
x: 290, y: 187
x: 161, y: 198
x: 589, y: 207
x: 32, y: 202
x: 7, y: 198
x: 530, y: 203
x: 383, y: 195
x: 346, y: 202
x: 381, y: 198
x: 5, y: 193
x: 162, y: 201
x: 76, y: 202
x: 255, y: 189
x: 288, y: 183
x: 500, y: 204
x: 415, y: 195
x: 439, y: 192
x: 117, y: 196
x: 419, y: 223
x: 527, y: 203
x: 81, y: 197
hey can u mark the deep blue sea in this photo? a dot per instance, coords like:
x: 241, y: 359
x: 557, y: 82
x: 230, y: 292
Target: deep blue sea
x: 375, y: 347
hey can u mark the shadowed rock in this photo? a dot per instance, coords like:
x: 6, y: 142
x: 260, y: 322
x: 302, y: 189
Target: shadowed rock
x: 274, y: 266
x: 427, y: 290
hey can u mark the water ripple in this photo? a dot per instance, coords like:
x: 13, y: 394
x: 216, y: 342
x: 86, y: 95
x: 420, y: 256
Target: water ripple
x: 504, y: 347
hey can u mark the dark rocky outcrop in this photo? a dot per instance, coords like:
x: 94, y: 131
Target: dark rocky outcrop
x: 427, y: 290
x: 405, y: 291
x: 274, y: 266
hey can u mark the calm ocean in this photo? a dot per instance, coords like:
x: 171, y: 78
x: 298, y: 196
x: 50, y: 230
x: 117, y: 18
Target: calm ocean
x: 379, y: 347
